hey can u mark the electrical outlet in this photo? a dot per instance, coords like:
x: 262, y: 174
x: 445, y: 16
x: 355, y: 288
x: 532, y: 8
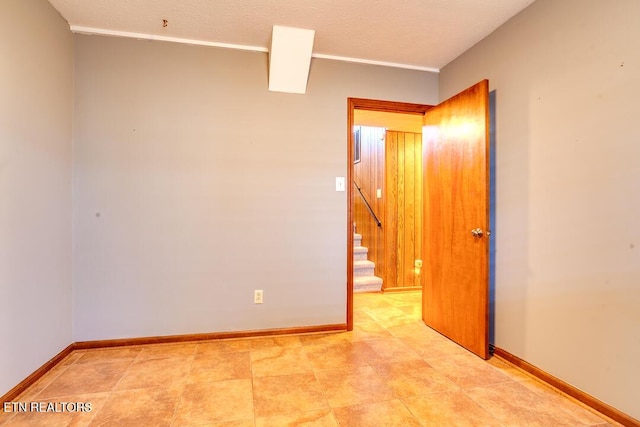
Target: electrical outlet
x: 257, y: 296
x: 418, y: 263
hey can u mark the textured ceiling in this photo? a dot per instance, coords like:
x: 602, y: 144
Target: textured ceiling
x: 420, y: 33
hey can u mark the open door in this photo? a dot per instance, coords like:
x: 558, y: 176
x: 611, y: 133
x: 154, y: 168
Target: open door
x: 371, y: 105
x: 456, y: 218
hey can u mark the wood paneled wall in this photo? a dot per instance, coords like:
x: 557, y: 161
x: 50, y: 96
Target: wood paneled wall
x: 369, y: 174
x: 392, y: 162
x: 403, y: 209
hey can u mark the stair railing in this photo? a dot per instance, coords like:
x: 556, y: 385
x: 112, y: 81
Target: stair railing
x: 366, y: 203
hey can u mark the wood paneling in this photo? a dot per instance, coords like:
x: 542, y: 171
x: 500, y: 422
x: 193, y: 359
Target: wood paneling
x: 392, y: 162
x: 391, y: 219
x: 403, y: 209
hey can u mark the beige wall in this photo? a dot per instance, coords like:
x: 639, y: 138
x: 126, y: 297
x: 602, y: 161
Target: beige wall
x: 36, y: 98
x: 182, y: 207
x: 566, y: 80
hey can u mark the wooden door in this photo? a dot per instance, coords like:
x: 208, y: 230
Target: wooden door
x: 456, y: 218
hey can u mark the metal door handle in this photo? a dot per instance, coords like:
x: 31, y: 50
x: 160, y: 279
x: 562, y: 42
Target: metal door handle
x: 477, y: 232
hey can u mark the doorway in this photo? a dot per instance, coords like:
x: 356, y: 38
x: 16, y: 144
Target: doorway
x: 388, y: 202
x: 373, y: 106
x: 455, y: 286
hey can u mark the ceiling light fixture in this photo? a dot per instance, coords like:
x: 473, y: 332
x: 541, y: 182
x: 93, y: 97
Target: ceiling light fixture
x: 290, y: 59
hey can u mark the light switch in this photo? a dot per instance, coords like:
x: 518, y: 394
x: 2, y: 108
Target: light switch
x: 340, y: 183
x: 379, y: 193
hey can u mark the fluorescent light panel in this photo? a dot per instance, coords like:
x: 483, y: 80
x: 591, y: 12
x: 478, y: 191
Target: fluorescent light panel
x: 290, y: 59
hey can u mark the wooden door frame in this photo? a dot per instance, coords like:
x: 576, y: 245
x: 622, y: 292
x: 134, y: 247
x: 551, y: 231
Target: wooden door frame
x: 371, y: 105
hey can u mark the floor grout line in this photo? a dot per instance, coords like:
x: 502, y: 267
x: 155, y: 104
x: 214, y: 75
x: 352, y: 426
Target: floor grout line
x: 384, y: 341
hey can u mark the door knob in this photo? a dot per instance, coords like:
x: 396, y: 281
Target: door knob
x: 477, y: 232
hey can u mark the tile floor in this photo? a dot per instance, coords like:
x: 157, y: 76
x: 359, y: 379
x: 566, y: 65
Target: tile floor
x: 390, y: 371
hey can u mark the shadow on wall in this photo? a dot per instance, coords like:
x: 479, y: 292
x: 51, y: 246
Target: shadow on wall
x: 492, y: 217
x: 509, y: 214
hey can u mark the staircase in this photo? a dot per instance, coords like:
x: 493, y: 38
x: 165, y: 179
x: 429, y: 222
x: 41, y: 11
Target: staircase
x: 363, y: 278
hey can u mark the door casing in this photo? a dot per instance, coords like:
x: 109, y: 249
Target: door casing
x: 372, y: 105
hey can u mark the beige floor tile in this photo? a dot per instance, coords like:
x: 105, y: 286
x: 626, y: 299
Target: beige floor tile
x: 149, y: 373
x: 241, y: 423
x: 334, y: 356
x: 468, y: 370
x: 371, y: 300
x: 431, y: 345
x: 30, y: 393
x: 369, y: 331
x: 288, y: 394
x: 215, y: 402
x: 279, y: 361
x: 74, y: 411
x: 285, y: 341
x: 162, y: 351
x: 86, y: 378
x: 414, y: 378
x: 409, y: 297
x: 416, y: 329
x: 5, y: 416
x: 110, y: 355
x: 220, y: 366
x: 347, y: 387
x: 573, y: 408
x: 71, y: 358
x: 326, y: 339
x: 139, y: 407
x: 516, y: 405
x: 389, y: 413
x: 391, y: 316
x: 414, y: 311
x: 223, y: 347
x: 509, y: 370
x: 385, y: 350
x: 390, y: 370
x: 361, y: 316
x: 322, y: 418
x: 408, y: 329
x: 450, y: 409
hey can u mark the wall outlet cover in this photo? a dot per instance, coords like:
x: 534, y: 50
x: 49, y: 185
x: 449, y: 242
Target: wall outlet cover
x: 258, y: 296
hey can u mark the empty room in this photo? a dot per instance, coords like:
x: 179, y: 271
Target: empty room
x: 331, y: 213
